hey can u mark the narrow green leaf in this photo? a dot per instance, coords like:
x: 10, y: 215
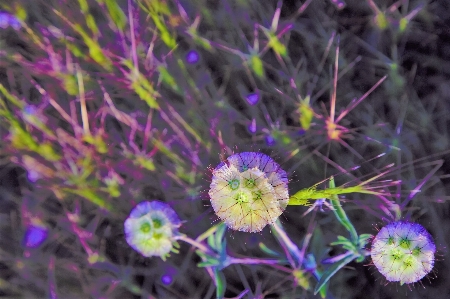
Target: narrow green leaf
x: 332, y: 270
x: 13, y: 99
x: 117, y: 15
x: 221, y: 283
x: 91, y: 196
x: 168, y: 79
x: 267, y: 250
x: 277, y: 46
x: 256, y: 65
x: 306, y: 114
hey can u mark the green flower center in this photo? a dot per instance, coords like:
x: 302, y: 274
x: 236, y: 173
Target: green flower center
x: 405, y: 243
x: 242, y: 197
x: 250, y: 183
x: 396, y: 254
x: 257, y: 195
x: 145, y: 227
x: 234, y: 184
x: 416, y: 251
x: 158, y: 236
x: 157, y: 223
x: 408, y: 261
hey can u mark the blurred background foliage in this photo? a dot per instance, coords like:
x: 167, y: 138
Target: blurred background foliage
x: 104, y: 104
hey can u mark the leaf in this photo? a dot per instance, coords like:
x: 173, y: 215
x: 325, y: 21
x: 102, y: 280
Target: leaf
x: 256, y: 65
x: 363, y: 239
x: 306, y: 114
x: 209, y: 262
x: 267, y: 250
x: 168, y: 79
x: 116, y: 14
x: 221, y: 283
x: 332, y: 270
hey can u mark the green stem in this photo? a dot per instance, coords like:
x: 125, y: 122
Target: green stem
x: 341, y: 215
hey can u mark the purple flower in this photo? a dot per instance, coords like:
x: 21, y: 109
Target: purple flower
x: 34, y: 236
x: 166, y: 279
x: 29, y: 110
x: 192, y: 57
x: 252, y: 98
x: 33, y: 176
x: 252, y: 126
x: 7, y: 19
x: 270, y: 140
x: 4, y: 20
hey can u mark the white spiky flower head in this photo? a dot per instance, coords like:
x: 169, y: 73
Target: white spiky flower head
x: 403, y: 251
x: 248, y: 191
x: 151, y: 227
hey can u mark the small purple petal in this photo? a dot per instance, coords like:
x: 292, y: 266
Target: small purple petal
x: 166, y: 279
x: 14, y: 23
x: 252, y: 126
x: 270, y: 140
x: 34, y: 236
x: 33, y: 176
x: 4, y: 20
x: 192, y: 57
x: 252, y: 98
x: 29, y: 110
x: 7, y: 19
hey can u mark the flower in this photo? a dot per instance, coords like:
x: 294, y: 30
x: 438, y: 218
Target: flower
x: 252, y: 99
x: 151, y: 228
x: 7, y: 19
x: 35, y: 234
x: 192, y: 57
x: 403, y: 251
x: 248, y: 191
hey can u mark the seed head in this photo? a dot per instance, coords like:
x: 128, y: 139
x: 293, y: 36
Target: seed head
x: 151, y: 227
x: 248, y: 191
x: 403, y: 251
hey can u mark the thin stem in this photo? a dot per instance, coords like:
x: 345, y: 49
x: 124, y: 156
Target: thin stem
x: 84, y: 115
x: 341, y: 215
x: 194, y: 243
x: 209, y: 232
x: 284, y: 240
x: 251, y: 261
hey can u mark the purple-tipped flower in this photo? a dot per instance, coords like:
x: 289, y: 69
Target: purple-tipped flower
x: 151, y: 228
x: 403, y: 251
x: 249, y: 191
x: 34, y: 235
x: 192, y: 57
